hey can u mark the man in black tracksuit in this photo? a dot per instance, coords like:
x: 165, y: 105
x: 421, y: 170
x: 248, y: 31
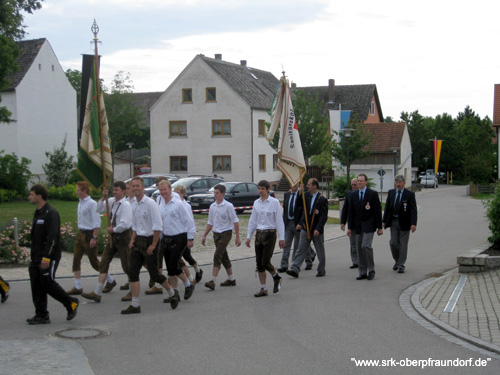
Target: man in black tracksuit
x: 45, y: 257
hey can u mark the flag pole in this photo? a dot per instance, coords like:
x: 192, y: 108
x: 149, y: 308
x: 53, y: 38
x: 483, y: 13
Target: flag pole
x: 95, y: 31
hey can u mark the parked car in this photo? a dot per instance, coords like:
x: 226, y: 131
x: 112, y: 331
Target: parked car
x: 194, y: 185
x: 150, y: 181
x: 429, y: 180
x: 144, y: 170
x: 240, y: 194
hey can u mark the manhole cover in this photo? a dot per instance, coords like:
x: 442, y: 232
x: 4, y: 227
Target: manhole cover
x: 80, y: 333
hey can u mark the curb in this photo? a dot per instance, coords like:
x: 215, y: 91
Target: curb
x: 409, y: 300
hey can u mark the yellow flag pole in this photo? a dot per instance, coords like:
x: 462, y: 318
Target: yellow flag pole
x: 95, y: 31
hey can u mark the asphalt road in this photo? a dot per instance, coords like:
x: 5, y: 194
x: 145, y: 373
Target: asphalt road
x: 312, y: 326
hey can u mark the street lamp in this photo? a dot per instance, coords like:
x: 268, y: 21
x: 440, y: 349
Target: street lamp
x: 347, y: 133
x: 130, y: 145
x: 395, y: 150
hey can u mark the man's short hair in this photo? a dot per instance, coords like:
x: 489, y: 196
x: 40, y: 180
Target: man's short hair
x: 120, y: 184
x: 363, y: 175
x: 165, y: 182
x: 39, y: 189
x: 159, y: 179
x: 138, y: 179
x: 314, y: 181
x: 400, y: 178
x: 221, y: 188
x: 181, y: 189
x: 83, y: 186
x: 264, y: 184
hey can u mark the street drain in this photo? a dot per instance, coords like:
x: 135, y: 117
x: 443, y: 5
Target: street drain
x: 80, y: 333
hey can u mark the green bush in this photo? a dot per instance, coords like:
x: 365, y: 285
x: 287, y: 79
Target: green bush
x: 14, y: 174
x: 9, y: 195
x: 493, y: 215
x: 64, y: 193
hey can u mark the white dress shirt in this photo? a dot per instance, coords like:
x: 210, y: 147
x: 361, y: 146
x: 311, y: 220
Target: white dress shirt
x: 121, y: 209
x: 88, y: 218
x: 177, y: 218
x: 266, y: 215
x: 146, y: 218
x: 222, y: 217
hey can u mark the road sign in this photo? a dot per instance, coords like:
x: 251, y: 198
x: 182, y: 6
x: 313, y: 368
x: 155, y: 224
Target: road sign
x: 381, y: 172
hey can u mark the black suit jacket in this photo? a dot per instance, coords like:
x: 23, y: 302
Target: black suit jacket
x: 407, y: 212
x: 297, y: 215
x: 320, y: 211
x: 345, y: 209
x: 365, y: 216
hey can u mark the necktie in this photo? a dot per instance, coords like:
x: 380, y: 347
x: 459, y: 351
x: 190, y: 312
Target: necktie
x: 291, y: 206
x: 361, y: 197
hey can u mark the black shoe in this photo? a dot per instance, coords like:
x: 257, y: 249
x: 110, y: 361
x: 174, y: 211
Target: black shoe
x: 320, y: 274
x: 354, y: 266
x: 371, y: 275
x: 308, y: 268
x: 401, y: 270
x: 282, y: 270
x: 361, y: 277
x: 292, y: 273
x: 169, y: 299
x: 395, y: 267
x: 132, y: 310
x: 277, y: 284
x: 38, y: 320
x: 72, y: 309
x: 261, y: 293
x: 5, y: 296
x: 199, y: 275
x: 188, y: 292
x: 174, y: 301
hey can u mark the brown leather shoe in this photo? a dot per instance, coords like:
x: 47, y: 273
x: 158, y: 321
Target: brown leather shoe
x: 228, y: 283
x: 92, y: 296
x: 124, y: 287
x: 210, y: 285
x: 154, y: 290
x: 127, y: 297
x: 109, y: 287
x: 74, y: 292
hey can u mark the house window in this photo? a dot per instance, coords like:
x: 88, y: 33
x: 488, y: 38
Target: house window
x: 211, y: 95
x: 178, y: 129
x: 262, y: 128
x: 39, y: 66
x: 52, y: 67
x: 372, y: 108
x: 221, y: 163
x: 275, y: 161
x: 178, y: 163
x: 221, y: 127
x: 187, y: 95
x: 262, y: 163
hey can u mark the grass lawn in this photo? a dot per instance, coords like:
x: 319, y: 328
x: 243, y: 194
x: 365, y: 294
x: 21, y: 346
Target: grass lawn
x: 25, y: 211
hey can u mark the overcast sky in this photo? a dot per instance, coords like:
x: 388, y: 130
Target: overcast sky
x: 436, y: 56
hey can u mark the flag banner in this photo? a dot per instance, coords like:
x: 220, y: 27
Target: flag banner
x: 290, y: 156
x: 92, y: 149
x: 437, y: 155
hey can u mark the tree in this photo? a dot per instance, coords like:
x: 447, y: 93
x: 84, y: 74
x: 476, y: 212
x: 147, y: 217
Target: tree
x: 126, y: 120
x: 11, y: 29
x: 14, y: 174
x: 75, y: 78
x: 58, y: 168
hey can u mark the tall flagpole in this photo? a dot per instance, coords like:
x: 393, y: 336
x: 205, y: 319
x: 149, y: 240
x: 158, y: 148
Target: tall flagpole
x: 97, y: 83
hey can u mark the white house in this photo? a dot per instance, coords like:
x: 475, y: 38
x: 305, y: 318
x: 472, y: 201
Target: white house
x: 211, y: 120
x: 43, y: 106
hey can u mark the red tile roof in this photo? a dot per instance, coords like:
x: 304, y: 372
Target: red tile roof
x: 385, y: 135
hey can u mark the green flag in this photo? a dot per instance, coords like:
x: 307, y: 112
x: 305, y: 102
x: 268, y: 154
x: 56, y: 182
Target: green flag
x: 94, y: 152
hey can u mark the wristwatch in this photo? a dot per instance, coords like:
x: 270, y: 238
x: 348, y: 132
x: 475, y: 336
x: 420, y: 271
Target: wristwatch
x: 94, y: 237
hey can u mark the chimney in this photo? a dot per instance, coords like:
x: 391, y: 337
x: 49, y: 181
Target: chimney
x: 218, y: 56
x: 294, y: 85
x: 243, y: 62
x: 331, y: 91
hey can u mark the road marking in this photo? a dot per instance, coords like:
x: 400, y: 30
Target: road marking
x: 452, y: 302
